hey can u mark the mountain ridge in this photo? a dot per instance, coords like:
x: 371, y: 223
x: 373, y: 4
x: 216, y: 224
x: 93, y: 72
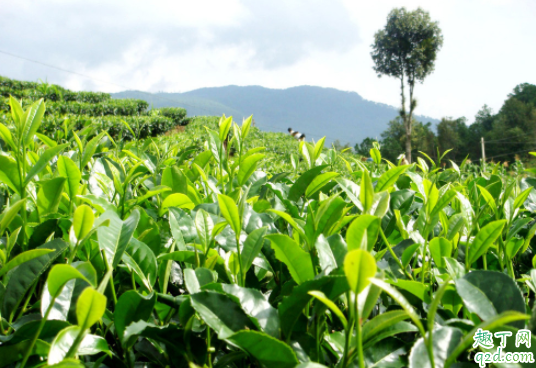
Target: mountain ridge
x: 316, y: 111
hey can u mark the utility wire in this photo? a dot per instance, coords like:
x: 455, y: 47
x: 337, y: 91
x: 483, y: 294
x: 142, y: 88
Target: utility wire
x: 133, y: 89
x: 512, y: 153
x: 504, y: 139
x: 99, y: 80
x: 169, y: 99
x: 512, y: 142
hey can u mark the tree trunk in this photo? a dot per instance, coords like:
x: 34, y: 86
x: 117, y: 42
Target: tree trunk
x: 408, y: 143
x: 409, y: 122
x: 404, y: 116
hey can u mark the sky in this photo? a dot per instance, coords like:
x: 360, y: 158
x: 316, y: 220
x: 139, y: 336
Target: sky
x: 178, y: 46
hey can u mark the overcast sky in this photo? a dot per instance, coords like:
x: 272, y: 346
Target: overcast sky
x: 176, y: 46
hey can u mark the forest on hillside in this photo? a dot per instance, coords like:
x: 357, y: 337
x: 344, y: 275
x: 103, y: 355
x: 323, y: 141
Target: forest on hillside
x: 508, y: 134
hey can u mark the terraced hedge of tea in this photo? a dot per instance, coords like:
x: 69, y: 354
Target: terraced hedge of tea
x: 94, y: 109
x: 224, y: 246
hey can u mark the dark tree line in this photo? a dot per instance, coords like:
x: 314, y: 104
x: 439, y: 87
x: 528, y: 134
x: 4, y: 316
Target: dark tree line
x: 509, y: 132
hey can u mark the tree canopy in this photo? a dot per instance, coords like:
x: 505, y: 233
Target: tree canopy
x: 407, y: 46
x: 406, y: 49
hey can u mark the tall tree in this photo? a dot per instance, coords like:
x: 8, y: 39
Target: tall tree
x: 453, y: 134
x: 485, y: 118
x: 525, y: 92
x: 393, y: 138
x: 514, y: 130
x: 364, y: 147
x: 406, y: 49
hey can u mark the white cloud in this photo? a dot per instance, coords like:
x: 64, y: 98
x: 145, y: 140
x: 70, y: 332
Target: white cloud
x: 184, y: 45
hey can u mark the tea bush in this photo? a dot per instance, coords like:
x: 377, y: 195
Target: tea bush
x: 116, y: 126
x: 176, y: 114
x: 225, y: 246
x: 93, y: 110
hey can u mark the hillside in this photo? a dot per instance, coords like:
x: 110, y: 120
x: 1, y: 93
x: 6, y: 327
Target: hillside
x: 316, y: 111
x: 95, y: 113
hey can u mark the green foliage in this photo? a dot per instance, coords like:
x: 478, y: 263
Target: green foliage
x: 509, y: 134
x: 67, y: 110
x: 408, y: 45
x: 176, y: 114
x: 406, y: 49
x: 207, y: 248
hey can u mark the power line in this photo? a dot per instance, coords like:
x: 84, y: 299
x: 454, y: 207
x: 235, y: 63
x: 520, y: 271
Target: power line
x: 133, y: 89
x: 513, y: 142
x: 171, y: 100
x: 504, y: 139
x: 99, y: 80
x: 512, y: 153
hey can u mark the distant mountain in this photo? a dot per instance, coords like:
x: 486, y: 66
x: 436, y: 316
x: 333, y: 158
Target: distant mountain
x: 315, y: 111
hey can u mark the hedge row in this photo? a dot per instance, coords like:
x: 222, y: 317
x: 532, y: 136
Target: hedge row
x: 53, y: 95
x: 177, y: 114
x: 110, y: 107
x: 143, y: 126
x: 16, y: 84
x: 84, y: 105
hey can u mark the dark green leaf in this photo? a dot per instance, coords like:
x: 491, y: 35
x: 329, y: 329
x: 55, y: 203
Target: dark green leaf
x: 68, y: 169
x: 363, y: 233
x: 115, y: 238
x: 132, y: 307
x: 292, y: 306
x: 318, y: 182
x: 221, y: 313
x: 142, y: 260
x: 381, y: 322
x: 26, y: 274
x: 23, y: 257
x: 475, y: 300
x: 254, y: 304
x: 49, y: 195
x: 485, y: 238
x: 296, y: 259
x: 300, y: 186
x: 390, y: 177
x: 445, y: 339
x: 252, y: 247
x: 501, y: 290
x: 270, y: 352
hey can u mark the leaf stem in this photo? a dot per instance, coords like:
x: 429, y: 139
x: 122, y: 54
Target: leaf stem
x: 110, y: 271
x: 36, y: 336
x: 359, y: 333
x: 241, y: 276
x: 75, y: 250
x: 168, y: 270
x: 347, y: 332
x: 397, y: 260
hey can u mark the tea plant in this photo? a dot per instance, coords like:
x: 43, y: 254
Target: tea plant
x: 224, y: 246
